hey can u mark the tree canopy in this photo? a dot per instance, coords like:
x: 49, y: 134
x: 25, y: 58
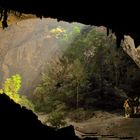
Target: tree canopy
x: 11, y: 88
x: 92, y: 73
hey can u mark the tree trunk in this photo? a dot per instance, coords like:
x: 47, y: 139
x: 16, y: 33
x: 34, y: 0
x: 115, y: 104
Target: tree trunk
x: 77, y: 95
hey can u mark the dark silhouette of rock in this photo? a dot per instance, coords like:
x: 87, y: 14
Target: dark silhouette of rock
x: 90, y: 138
x: 120, y: 16
x: 17, y: 121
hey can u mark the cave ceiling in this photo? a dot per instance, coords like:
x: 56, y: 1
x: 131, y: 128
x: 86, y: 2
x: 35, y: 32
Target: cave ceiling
x: 120, y: 17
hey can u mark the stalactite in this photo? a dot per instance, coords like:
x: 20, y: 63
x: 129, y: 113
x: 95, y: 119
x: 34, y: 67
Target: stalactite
x: 119, y: 38
x: 45, y: 8
x: 107, y: 31
x: 1, y: 13
x: 4, y: 20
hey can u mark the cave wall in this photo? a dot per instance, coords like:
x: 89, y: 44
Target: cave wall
x: 17, y: 122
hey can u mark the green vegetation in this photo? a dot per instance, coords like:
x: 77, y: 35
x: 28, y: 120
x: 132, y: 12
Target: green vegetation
x: 56, y: 119
x: 91, y: 74
x: 11, y: 88
x: 65, y: 36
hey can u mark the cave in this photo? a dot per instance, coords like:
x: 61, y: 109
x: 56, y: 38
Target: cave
x: 117, y: 17
x: 120, y: 17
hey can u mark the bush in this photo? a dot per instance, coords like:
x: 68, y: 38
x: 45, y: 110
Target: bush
x: 56, y: 119
x: 27, y: 103
x: 11, y: 88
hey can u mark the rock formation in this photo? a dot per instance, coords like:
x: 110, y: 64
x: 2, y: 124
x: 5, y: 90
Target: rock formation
x: 120, y: 16
x: 27, y: 48
x: 131, y: 50
x: 17, y: 122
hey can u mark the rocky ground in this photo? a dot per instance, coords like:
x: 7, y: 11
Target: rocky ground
x: 107, y: 126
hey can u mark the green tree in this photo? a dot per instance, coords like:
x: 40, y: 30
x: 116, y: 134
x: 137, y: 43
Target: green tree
x: 91, y: 69
x: 11, y: 88
x: 79, y: 76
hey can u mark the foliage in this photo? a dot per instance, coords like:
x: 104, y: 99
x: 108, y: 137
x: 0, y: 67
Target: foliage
x: 56, y: 119
x: 58, y: 32
x: 26, y: 102
x: 65, y: 35
x: 11, y: 87
x: 61, y: 85
x: 87, y: 75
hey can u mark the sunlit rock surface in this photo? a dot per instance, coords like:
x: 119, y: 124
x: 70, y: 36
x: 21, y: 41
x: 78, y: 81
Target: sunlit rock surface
x: 131, y: 50
x: 27, y: 48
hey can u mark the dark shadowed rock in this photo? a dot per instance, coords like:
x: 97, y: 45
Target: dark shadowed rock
x: 17, y: 121
x: 120, y: 16
x: 88, y: 138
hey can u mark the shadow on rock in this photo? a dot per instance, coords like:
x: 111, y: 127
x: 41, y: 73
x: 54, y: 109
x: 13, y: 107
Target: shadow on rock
x: 17, y: 121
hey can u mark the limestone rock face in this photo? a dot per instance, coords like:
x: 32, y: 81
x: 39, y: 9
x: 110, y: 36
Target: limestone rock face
x: 26, y: 48
x: 132, y: 50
